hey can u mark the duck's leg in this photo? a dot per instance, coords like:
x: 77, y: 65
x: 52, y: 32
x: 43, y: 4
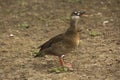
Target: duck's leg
x: 61, y: 61
x: 68, y: 65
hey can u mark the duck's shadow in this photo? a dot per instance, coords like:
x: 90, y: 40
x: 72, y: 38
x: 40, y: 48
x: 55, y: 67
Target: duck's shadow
x: 44, y: 66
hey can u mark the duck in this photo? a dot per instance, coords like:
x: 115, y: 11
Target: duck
x: 63, y: 43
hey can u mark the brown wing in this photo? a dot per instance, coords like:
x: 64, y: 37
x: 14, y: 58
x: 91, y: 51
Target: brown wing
x: 51, y: 41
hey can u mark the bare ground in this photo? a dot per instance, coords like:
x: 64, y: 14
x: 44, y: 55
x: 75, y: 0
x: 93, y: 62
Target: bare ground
x: 26, y: 24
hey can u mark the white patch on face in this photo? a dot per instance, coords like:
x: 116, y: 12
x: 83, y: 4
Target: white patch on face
x: 78, y: 14
x: 75, y: 17
x: 62, y: 56
x: 75, y: 12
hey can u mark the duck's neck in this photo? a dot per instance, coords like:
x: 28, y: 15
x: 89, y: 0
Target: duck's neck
x: 73, y: 25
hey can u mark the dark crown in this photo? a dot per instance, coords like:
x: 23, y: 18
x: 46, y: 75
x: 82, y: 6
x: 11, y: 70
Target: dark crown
x: 77, y: 13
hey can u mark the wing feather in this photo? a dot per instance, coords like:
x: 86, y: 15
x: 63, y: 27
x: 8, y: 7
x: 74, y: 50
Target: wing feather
x: 51, y: 41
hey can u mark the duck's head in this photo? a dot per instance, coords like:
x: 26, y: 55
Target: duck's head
x: 77, y: 14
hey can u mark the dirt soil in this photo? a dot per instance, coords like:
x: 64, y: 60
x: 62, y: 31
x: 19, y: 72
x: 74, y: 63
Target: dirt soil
x: 26, y: 24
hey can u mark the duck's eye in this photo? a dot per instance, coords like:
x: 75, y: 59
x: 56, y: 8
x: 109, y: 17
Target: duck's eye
x: 75, y: 12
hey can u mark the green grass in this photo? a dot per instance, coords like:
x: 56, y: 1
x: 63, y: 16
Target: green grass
x: 94, y: 33
x: 23, y: 26
x: 35, y: 52
x: 64, y: 18
x: 23, y: 2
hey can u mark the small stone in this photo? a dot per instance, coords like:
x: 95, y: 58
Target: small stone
x: 105, y: 22
x: 99, y: 13
x: 11, y: 35
x: 102, y: 2
x: 111, y: 20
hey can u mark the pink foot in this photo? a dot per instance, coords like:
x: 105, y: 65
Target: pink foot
x: 68, y: 65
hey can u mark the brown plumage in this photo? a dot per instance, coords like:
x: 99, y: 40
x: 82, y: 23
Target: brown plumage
x: 63, y: 43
